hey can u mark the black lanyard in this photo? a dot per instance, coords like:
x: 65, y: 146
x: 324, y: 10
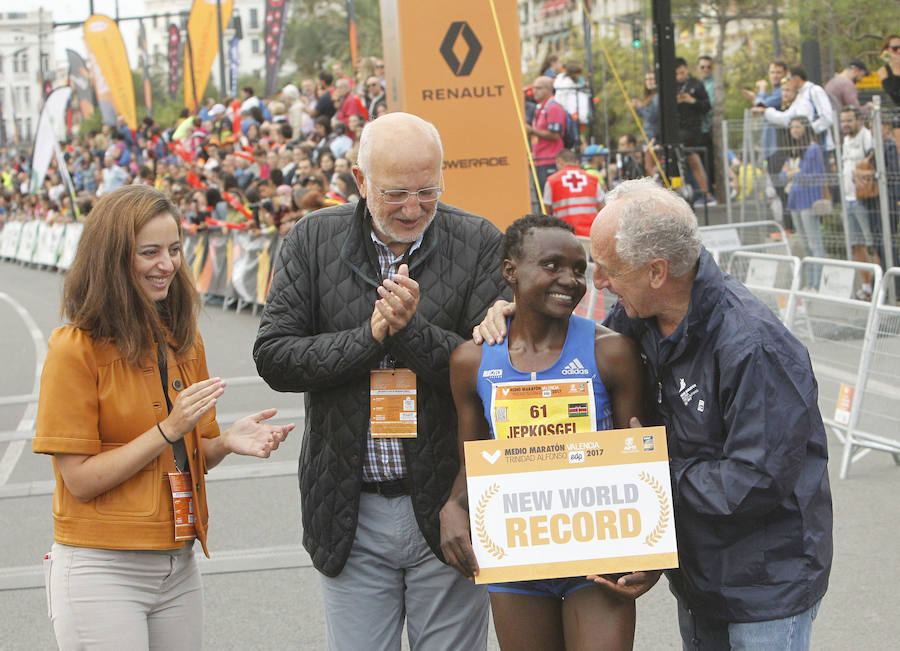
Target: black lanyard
x: 178, y: 447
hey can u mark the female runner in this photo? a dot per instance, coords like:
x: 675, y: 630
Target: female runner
x: 545, y: 265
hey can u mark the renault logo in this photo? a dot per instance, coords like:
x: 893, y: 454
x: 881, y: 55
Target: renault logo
x: 460, y: 68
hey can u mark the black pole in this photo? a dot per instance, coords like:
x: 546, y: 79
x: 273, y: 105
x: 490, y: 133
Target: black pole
x: 776, y: 36
x: 664, y: 46
x: 187, y: 39
x: 589, y: 59
x: 221, y: 51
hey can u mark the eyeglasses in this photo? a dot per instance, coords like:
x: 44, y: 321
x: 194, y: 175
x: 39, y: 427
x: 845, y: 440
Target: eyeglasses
x: 424, y: 195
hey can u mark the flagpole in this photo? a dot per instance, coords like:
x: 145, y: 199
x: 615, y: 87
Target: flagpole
x: 222, y: 91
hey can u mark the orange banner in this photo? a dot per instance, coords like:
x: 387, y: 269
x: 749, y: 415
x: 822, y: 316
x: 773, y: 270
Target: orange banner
x: 201, y: 47
x: 104, y: 42
x: 444, y: 63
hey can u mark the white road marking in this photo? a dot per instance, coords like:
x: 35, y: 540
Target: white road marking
x: 14, y: 449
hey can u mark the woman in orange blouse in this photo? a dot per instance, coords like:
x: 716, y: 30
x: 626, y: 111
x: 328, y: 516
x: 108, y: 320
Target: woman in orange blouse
x: 127, y: 409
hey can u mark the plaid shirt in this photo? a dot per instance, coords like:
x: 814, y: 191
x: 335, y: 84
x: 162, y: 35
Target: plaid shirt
x: 384, y: 456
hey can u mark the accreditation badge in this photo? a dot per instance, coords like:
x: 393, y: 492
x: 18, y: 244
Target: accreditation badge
x: 542, y: 408
x: 182, y: 505
x: 392, y: 403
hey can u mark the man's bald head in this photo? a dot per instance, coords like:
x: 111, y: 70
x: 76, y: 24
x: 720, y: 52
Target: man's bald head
x: 393, y: 130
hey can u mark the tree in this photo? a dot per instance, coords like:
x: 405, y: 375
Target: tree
x: 844, y: 29
x: 721, y: 13
x: 317, y: 33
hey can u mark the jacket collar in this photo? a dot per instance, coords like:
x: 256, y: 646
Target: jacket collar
x: 706, y: 291
x: 358, y: 251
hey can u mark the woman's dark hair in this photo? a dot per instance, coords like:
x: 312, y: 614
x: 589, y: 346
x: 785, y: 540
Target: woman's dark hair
x: 276, y: 175
x: 798, y: 147
x: 511, y: 244
x: 887, y: 41
x: 229, y: 182
x: 212, y: 197
x: 102, y: 293
x: 548, y: 62
x: 326, y: 154
x: 349, y: 182
x: 325, y: 122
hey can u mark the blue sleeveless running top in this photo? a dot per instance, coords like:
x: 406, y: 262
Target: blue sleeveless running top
x: 576, y: 361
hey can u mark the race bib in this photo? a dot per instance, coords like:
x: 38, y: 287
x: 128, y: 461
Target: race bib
x: 542, y: 408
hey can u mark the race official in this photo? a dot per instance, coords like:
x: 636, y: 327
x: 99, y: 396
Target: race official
x: 382, y: 291
x: 747, y: 448
x: 572, y: 194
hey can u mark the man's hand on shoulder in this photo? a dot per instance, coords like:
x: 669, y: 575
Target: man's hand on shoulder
x: 492, y: 329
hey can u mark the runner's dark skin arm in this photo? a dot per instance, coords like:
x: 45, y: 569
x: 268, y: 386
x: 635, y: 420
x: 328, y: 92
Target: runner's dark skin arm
x: 456, y: 541
x: 619, y: 366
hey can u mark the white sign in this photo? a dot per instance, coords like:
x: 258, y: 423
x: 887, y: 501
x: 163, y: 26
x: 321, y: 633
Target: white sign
x: 570, y: 505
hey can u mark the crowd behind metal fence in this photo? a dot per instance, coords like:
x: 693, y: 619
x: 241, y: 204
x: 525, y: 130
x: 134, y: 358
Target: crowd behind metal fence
x: 839, y: 198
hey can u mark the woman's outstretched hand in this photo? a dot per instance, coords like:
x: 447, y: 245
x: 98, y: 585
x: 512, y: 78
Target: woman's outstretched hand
x: 252, y: 437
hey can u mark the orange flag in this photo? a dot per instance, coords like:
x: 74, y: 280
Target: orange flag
x: 201, y: 47
x: 104, y: 42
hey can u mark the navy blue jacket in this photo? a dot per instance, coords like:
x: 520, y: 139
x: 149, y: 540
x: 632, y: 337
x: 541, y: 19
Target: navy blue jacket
x: 748, y: 453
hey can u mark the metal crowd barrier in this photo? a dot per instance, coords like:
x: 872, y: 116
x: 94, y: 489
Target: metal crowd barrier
x: 876, y: 396
x: 764, y: 236
x: 772, y: 278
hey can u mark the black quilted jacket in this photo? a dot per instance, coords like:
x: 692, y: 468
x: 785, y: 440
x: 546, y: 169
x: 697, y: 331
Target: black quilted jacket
x: 315, y: 337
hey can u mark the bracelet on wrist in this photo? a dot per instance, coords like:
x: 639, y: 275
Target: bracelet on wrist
x: 163, y: 434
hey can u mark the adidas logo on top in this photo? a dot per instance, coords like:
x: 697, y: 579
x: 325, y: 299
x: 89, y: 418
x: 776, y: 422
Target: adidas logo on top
x: 575, y: 367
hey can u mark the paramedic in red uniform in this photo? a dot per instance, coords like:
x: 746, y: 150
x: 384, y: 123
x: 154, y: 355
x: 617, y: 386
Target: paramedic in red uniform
x: 572, y: 194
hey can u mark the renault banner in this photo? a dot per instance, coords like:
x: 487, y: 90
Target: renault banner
x: 202, y: 46
x: 112, y: 76
x: 445, y: 63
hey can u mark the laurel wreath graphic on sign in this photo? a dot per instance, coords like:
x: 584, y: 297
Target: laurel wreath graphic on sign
x: 663, y: 523
x: 490, y: 546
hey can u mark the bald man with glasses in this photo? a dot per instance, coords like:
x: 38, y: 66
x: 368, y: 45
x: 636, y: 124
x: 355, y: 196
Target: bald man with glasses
x: 367, y: 303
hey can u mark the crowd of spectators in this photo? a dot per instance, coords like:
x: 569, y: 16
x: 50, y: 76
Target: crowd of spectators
x: 794, y: 167
x: 241, y: 162
x: 263, y: 163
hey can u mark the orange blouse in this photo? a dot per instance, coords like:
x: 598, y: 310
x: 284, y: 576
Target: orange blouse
x: 93, y: 400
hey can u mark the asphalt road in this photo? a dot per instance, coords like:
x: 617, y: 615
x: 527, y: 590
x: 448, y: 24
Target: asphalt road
x: 255, y: 520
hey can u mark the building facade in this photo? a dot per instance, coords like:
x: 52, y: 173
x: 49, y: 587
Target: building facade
x: 26, y: 63
x: 251, y: 48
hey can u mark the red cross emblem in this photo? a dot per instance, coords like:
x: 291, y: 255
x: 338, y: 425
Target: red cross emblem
x: 574, y: 180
